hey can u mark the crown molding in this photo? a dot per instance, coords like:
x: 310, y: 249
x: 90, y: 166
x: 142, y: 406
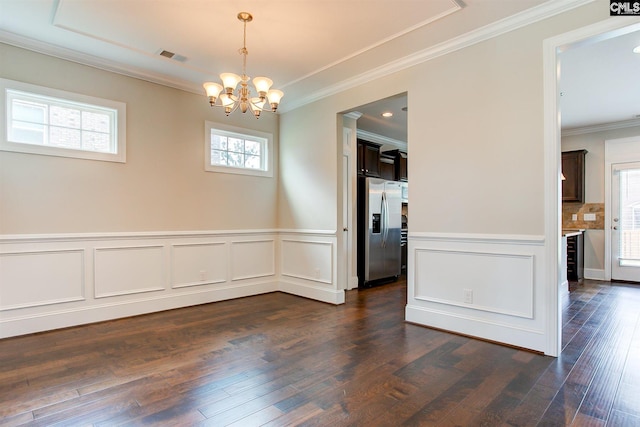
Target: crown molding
x: 601, y: 127
x: 67, y: 54
x: 538, y: 13
x: 379, y: 139
x: 522, y: 19
x: 353, y: 115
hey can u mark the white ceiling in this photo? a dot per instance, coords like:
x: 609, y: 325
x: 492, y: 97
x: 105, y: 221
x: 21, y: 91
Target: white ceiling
x: 305, y: 46
x: 599, y: 81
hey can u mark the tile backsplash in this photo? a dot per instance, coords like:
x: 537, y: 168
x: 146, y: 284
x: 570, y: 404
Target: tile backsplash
x: 578, y: 209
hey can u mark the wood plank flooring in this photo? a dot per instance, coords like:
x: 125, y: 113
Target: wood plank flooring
x: 279, y: 360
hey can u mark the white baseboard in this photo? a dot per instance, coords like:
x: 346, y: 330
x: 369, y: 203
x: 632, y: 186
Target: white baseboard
x: 594, y: 274
x: 475, y: 326
x: 328, y: 295
x: 57, y: 319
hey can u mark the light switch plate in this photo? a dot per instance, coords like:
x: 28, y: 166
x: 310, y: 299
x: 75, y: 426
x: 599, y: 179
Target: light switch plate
x: 574, y: 217
x: 589, y: 217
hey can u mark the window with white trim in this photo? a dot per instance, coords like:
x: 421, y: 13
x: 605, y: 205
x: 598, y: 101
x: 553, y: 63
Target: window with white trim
x: 234, y: 150
x: 47, y: 121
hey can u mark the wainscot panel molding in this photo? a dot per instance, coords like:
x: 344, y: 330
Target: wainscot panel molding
x: 308, y: 265
x: 57, y: 276
x: 251, y: 259
x: 308, y: 260
x: 128, y: 270
x: 487, y: 286
x: 494, y: 273
x: 197, y: 264
x: 57, y: 281
x: 61, y: 280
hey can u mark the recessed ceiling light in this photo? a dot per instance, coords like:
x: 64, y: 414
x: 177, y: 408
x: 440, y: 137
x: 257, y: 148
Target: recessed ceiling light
x: 636, y: 49
x: 387, y: 114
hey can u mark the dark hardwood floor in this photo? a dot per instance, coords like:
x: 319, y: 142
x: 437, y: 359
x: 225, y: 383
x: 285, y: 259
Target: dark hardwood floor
x: 279, y: 360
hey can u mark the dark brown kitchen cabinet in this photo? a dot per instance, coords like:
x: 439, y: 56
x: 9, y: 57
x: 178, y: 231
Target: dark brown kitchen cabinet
x: 575, y: 257
x: 400, y: 164
x: 368, y: 158
x: 573, y: 163
x: 387, y: 167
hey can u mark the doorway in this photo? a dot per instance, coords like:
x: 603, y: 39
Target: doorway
x: 622, y: 195
x: 553, y: 49
x: 388, y: 133
x: 625, y: 230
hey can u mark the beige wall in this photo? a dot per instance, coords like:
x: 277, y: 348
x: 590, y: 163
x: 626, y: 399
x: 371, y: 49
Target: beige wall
x: 161, y: 187
x: 594, y: 183
x: 309, y: 153
x: 476, y: 149
x: 475, y: 127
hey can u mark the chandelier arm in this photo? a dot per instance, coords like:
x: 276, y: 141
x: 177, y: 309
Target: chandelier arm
x: 234, y: 108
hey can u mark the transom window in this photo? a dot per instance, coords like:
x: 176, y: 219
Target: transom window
x: 46, y: 121
x: 234, y: 150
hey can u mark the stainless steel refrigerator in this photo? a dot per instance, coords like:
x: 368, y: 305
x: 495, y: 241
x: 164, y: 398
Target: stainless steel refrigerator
x: 379, y: 231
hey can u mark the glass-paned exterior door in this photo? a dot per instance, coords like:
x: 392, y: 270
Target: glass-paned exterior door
x: 625, y: 229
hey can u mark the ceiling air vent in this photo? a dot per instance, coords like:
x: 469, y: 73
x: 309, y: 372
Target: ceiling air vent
x: 167, y: 54
x: 172, y: 55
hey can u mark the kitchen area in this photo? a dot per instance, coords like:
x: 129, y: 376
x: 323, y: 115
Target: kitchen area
x: 380, y: 191
x: 382, y: 220
x: 577, y: 217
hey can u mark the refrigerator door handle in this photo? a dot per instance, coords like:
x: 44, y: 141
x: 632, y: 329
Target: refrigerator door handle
x: 386, y: 219
x: 383, y: 220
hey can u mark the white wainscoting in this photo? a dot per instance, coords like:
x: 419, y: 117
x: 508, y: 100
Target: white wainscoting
x: 486, y: 286
x: 54, y: 277
x: 308, y: 265
x: 493, y: 274
x: 49, y: 282
x: 251, y: 259
x: 55, y: 281
x: 128, y: 270
x: 197, y: 264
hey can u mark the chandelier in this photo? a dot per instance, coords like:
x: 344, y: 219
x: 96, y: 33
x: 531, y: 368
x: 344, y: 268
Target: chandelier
x: 232, y: 99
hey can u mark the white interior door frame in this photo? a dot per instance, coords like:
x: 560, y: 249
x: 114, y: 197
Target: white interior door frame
x: 347, y: 205
x: 623, y: 150
x: 552, y: 47
x: 349, y: 154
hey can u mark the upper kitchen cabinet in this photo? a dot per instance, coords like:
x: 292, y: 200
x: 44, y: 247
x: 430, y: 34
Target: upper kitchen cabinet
x: 573, y: 163
x: 387, y: 167
x: 400, y: 164
x: 368, y: 158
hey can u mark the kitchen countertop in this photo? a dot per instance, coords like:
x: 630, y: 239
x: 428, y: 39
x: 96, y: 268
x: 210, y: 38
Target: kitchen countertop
x: 567, y: 232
